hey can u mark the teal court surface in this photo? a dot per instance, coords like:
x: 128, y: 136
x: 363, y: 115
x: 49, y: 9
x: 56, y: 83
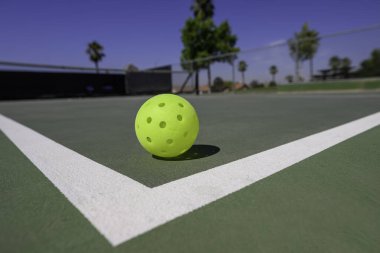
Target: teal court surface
x: 268, y: 173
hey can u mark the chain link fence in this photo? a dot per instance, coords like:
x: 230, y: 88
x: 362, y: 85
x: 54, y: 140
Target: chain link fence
x: 350, y: 47
x: 270, y: 65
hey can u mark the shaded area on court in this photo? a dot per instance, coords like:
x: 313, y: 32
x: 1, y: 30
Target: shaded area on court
x: 195, y: 152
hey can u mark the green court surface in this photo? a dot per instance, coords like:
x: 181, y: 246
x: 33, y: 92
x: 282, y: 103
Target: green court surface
x: 328, y: 202
x: 342, y: 85
x: 326, y: 86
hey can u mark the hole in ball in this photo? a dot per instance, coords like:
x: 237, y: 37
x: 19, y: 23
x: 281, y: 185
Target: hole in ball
x: 148, y: 139
x: 161, y: 104
x: 148, y: 120
x: 162, y: 124
x: 180, y: 104
x: 179, y: 117
x: 169, y: 141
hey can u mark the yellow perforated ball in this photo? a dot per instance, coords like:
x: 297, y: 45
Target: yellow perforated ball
x: 166, y: 125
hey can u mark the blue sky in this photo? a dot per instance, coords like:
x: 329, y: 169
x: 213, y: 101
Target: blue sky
x: 147, y: 32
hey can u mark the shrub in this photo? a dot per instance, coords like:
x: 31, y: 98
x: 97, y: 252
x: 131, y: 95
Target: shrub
x: 255, y: 84
x: 228, y: 85
x: 289, y: 78
x: 218, y: 84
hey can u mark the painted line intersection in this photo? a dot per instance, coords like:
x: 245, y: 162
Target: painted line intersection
x: 121, y: 208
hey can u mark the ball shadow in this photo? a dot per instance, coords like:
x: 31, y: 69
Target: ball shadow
x: 195, y: 152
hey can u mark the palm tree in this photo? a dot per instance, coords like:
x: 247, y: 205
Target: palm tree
x: 203, y: 9
x: 303, y: 46
x: 273, y: 71
x: 242, y: 68
x: 295, y: 52
x: 95, y: 51
x: 335, y: 63
x: 310, y: 44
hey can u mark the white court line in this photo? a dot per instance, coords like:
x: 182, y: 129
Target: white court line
x: 121, y: 208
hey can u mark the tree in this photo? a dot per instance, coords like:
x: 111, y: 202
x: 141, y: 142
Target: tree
x: 132, y: 68
x: 242, y: 68
x: 203, y: 40
x: 335, y: 64
x: 225, y: 45
x: 303, y: 46
x: 371, y: 66
x: 309, y: 45
x: 294, y: 48
x: 95, y: 51
x: 198, y: 42
x: 346, y: 66
x: 203, y: 9
x: 273, y: 71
